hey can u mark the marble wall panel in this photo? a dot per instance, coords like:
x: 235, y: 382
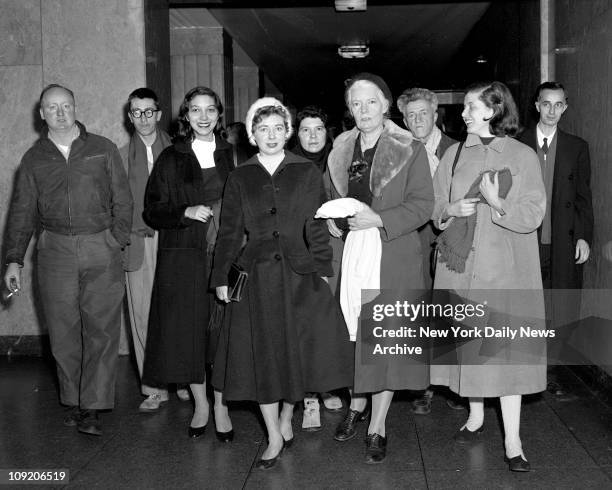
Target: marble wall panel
x: 97, y: 49
x: 19, y: 90
x: 20, y: 33
x: 246, y: 90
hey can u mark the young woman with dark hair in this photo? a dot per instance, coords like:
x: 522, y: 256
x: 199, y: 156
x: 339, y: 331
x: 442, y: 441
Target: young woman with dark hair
x: 183, y: 191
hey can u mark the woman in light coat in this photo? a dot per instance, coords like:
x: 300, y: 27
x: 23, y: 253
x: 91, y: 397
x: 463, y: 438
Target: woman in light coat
x: 504, y: 256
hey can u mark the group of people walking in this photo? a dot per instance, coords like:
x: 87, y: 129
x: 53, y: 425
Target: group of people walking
x: 198, y: 210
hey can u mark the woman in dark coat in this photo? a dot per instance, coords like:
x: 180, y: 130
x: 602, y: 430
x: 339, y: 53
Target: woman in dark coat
x: 185, y: 185
x: 286, y: 336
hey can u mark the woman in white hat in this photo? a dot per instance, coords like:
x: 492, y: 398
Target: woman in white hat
x: 286, y: 336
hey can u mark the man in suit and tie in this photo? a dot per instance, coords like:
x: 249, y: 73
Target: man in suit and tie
x: 566, y: 233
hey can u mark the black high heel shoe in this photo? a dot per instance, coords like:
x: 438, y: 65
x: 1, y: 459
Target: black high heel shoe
x: 195, y: 432
x: 225, y: 436
x: 266, y: 464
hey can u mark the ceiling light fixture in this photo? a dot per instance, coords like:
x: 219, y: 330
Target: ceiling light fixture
x: 351, y: 51
x: 481, y: 59
x: 351, y: 5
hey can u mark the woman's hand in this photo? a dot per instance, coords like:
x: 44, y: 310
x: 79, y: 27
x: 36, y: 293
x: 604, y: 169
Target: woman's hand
x: 365, y: 219
x: 462, y: 207
x: 333, y: 229
x: 221, y: 292
x: 489, y: 188
x: 199, y: 213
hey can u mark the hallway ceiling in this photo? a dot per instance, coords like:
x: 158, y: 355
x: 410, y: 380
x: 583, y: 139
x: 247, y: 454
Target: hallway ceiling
x: 296, y: 44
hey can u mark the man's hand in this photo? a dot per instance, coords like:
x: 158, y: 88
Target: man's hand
x: 222, y: 294
x: 365, y: 219
x: 12, y: 277
x: 199, y: 213
x: 582, y: 251
x: 333, y: 229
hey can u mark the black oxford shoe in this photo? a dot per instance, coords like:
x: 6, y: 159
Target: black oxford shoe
x: 346, y: 429
x: 466, y: 436
x: 376, y: 448
x: 89, y: 423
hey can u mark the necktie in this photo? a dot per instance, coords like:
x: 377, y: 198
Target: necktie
x: 545, y: 146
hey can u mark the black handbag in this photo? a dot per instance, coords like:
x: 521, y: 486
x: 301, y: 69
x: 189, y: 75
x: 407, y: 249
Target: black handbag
x: 236, y: 282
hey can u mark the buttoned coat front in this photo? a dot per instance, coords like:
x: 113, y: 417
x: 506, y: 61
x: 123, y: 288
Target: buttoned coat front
x: 286, y: 336
x: 504, y: 256
x: 401, y: 184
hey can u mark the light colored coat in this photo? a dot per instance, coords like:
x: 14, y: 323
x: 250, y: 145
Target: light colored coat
x: 504, y: 257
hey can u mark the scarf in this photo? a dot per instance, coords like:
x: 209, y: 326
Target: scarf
x: 431, y: 146
x: 455, y: 243
x: 138, y: 175
x: 319, y: 158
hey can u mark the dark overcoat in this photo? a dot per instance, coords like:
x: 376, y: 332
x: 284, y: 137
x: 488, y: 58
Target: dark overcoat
x: 286, y: 336
x: 176, y: 340
x: 571, y: 209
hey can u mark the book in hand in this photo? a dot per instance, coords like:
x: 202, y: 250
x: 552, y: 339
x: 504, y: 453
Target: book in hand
x: 236, y: 282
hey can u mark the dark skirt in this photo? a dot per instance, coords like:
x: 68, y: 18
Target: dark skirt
x: 285, y: 338
x: 180, y: 305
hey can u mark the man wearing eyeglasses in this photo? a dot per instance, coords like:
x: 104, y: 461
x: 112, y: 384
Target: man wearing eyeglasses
x: 567, y: 229
x: 145, y: 145
x: 72, y: 185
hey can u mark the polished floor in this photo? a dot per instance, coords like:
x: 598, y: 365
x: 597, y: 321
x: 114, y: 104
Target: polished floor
x: 567, y: 439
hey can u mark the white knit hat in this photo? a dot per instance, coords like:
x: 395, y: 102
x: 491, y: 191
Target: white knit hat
x: 264, y: 102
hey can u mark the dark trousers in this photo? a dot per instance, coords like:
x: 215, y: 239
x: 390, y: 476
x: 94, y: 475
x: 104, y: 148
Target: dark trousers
x: 82, y: 287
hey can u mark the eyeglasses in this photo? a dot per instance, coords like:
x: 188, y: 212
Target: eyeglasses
x: 138, y: 113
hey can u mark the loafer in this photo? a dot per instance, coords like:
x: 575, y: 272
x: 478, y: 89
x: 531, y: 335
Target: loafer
x: 195, y: 432
x: 89, y: 423
x: 518, y: 464
x: 73, y: 415
x: 152, y: 403
x: 346, y: 429
x: 225, y: 436
x: 466, y: 436
x: 183, y: 394
x: 266, y: 464
x: 376, y: 448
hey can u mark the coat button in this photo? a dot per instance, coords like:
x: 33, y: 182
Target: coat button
x: 570, y: 177
x: 277, y: 257
x: 272, y: 210
x: 568, y: 204
x: 571, y: 233
x: 275, y: 234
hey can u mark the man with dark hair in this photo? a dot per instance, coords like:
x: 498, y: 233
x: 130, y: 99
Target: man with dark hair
x: 71, y: 183
x: 138, y: 156
x: 567, y: 229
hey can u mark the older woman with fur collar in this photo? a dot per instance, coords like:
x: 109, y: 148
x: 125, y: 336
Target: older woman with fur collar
x: 383, y: 166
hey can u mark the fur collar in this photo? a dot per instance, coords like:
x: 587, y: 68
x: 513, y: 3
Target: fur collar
x: 394, y: 150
